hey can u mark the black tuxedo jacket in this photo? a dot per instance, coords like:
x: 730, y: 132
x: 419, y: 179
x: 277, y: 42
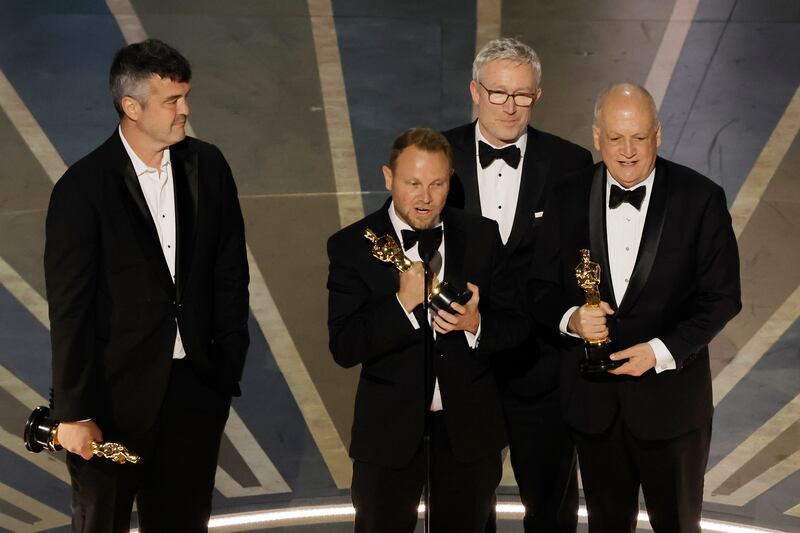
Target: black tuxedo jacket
x: 113, y: 303
x: 684, y: 289
x: 368, y: 326
x: 530, y: 369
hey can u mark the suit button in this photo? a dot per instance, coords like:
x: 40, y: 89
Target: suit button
x: 179, y: 306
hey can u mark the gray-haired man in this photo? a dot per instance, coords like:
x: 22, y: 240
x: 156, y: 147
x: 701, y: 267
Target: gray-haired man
x: 146, y: 273
x: 503, y: 169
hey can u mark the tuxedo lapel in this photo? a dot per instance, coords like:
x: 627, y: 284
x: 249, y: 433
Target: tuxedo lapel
x: 598, y: 236
x: 651, y: 236
x: 534, y: 168
x: 466, y: 168
x: 141, y: 220
x: 184, y: 177
x: 143, y: 216
x: 455, y: 245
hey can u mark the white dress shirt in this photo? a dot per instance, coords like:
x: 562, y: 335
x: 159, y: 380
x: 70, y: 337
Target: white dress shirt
x: 159, y: 192
x: 413, y: 254
x: 624, y: 226
x: 499, y: 184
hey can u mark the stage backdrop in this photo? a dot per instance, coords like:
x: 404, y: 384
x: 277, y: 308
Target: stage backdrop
x: 304, y: 98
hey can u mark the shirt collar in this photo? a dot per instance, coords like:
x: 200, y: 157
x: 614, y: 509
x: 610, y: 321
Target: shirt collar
x: 139, y: 166
x: 520, y: 143
x: 399, y: 224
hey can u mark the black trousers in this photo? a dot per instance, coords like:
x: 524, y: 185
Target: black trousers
x: 462, y: 494
x: 544, y: 462
x: 174, y: 481
x: 614, y: 464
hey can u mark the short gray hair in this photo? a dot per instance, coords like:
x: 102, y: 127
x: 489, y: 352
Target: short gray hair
x: 507, y: 48
x: 134, y: 64
x: 631, y: 87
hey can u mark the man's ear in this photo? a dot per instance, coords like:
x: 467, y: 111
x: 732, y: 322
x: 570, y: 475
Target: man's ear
x: 387, y: 177
x: 658, y: 134
x: 596, y: 137
x: 131, y: 107
x: 474, y: 92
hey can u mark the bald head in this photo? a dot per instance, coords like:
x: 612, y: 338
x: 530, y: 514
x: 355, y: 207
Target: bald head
x: 623, y: 91
x: 626, y: 132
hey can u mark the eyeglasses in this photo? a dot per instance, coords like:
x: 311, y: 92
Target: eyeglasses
x: 500, y: 97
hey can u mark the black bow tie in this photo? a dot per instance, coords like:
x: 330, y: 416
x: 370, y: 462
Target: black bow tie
x: 487, y: 154
x: 429, y: 239
x: 619, y: 196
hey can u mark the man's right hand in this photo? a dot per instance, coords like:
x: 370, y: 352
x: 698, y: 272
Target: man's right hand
x: 590, y: 322
x: 77, y: 437
x: 412, y: 285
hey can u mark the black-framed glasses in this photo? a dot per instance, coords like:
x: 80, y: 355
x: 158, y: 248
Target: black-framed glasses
x: 500, y: 97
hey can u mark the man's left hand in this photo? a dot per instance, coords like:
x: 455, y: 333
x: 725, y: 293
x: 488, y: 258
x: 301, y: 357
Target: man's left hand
x: 467, y: 317
x: 640, y: 359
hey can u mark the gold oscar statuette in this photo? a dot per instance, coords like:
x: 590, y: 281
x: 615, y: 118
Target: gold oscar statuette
x: 597, y: 350
x: 114, y: 451
x: 442, y: 294
x: 386, y: 249
x: 41, y: 434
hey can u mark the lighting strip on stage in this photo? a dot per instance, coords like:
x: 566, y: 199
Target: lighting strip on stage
x: 279, y: 517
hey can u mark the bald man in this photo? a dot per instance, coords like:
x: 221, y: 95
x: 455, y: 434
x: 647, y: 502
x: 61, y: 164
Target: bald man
x: 662, y: 236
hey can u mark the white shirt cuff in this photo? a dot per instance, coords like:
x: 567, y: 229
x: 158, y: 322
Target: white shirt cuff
x: 562, y: 326
x: 664, y: 359
x: 473, y: 340
x: 411, y: 317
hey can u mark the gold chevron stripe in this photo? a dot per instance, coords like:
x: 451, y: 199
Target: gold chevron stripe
x: 127, y: 20
x: 766, y: 480
x: 48, y: 517
x: 45, y: 461
x: 20, y: 390
x: 269, y: 479
x: 297, y: 378
x: 794, y: 511
x: 337, y: 112
x: 508, y: 479
x: 763, y: 170
x: 17, y: 388
x: 30, y: 131
x: 22, y: 291
x: 748, y: 449
x: 489, y: 15
x: 755, y: 348
x: 488, y: 23
x: 670, y: 48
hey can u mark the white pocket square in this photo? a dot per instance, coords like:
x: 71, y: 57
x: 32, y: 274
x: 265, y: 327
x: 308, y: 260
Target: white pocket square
x: 538, y: 214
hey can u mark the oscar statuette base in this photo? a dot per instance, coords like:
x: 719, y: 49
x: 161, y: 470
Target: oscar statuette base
x: 598, y: 359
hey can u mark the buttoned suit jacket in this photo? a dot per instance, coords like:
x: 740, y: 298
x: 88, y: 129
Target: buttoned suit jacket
x: 683, y: 289
x: 369, y: 327
x: 530, y: 369
x: 114, y: 307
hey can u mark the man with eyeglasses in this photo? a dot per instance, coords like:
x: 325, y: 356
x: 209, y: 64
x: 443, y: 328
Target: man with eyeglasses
x: 503, y: 169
